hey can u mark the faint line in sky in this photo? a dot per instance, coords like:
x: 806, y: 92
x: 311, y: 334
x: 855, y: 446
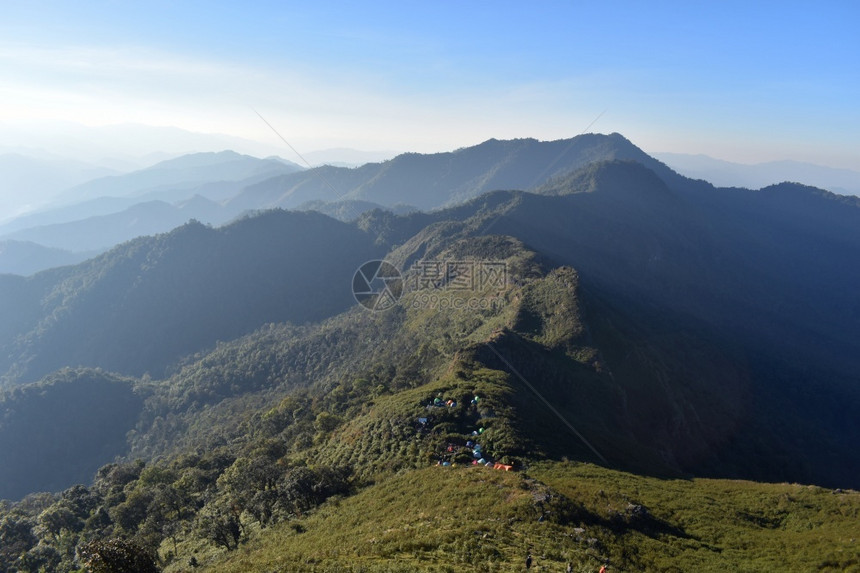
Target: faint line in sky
x: 300, y: 156
x: 593, y: 122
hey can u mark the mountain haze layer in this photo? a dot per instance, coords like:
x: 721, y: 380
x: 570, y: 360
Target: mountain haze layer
x: 29, y: 181
x: 104, y: 212
x: 158, y: 198
x: 757, y: 175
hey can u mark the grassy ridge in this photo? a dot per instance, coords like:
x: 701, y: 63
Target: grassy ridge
x: 719, y: 525
x: 476, y: 519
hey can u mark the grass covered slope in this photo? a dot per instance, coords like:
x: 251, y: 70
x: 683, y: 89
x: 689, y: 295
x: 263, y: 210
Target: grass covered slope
x: 477, y: 519
x: 717, y: 525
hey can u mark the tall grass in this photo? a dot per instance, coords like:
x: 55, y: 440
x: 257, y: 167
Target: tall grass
x: 477, y: 519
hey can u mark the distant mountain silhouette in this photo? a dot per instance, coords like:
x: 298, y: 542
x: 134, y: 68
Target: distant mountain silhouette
x: 147, y: 303
x: 344, y: 157
x: 185, y: 172
x: 24, y: 258
x: 144, y: 202
x: 349, y: 210
x: 29, y: 181
x: 154, y: 200
x: 104, y: 231
x: 755, y: 176
x: 440, y: 179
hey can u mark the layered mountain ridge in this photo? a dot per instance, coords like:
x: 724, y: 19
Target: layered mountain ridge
x: 107, y: 211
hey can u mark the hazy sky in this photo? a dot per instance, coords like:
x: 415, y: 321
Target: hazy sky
x: 737, y: 80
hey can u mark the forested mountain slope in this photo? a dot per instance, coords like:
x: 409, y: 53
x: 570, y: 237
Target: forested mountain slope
x: 266, y: 428
x: 145, y: 304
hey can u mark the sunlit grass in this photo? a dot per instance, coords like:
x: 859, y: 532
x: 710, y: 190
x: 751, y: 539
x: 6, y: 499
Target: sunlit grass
x: 476, y: 519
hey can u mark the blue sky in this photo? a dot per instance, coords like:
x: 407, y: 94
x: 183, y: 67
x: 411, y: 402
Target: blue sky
x: 740, y: 81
